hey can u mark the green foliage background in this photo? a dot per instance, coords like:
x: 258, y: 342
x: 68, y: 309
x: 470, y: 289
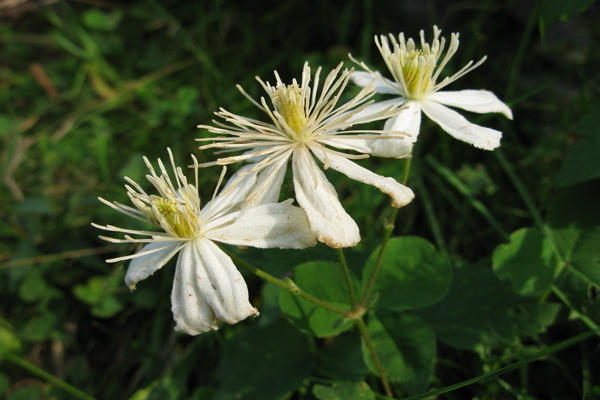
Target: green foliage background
x: 496, y: 260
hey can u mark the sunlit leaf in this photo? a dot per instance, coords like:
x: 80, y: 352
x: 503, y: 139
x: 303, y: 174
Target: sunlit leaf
x: 413, y: 274
x: 344, y: 391
x: 325, y: 281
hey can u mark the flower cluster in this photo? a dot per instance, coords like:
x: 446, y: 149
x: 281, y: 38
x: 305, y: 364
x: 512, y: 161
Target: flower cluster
x: 308, y: 126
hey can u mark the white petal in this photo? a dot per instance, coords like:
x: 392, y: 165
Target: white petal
x: 268, y: 184
x: 479, y: 101
x: 317, y: 197
x: 407, y: 121
x: 380, y: 84
x: 400, y: 194
x: 271, y: 225
x: 158, y: 254
x: 457, y: 126
x: 207, y: 288
x: 376, y: 108
x: 234, y: 192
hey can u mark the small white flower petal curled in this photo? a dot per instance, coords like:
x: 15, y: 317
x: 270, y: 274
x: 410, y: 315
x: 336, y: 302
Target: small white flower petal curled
x: 400, y: 194
x: 278, y: 225
x: 458, y: 127
x: 157, y: 255
x: 319, y: 200
x: 478, y: 101
x: 379, y: 83
x: 207, y: 288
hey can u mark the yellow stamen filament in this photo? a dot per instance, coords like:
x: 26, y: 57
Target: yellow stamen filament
x: 177, y: 216
x: 289, y: 100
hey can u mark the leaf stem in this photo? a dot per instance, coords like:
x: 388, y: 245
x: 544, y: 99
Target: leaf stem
x: 369, y: 343
x: 543, y: 353
x: 388, y: 228
x: 347, y: 278
x: 286, y: 284
x: 46, y: 376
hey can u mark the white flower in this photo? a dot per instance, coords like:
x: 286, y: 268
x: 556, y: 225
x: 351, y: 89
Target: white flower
x: 305, y: 124
x: 415, y: 72
x: 207, y: 286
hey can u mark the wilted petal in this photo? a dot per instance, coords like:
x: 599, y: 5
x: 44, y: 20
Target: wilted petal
x: 319, y: 200
x: 207, y: 288
x: 157, y: 255
x: 457, y: 126
x: 479, y: 101
x: 379, y: 83
x: 400, y: 194
x: 271, y: 225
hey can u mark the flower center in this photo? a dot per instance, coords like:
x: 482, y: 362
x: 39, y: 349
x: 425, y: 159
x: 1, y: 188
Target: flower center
x: 289, y: 100
x: 418, y: 69
x: 175, y: 216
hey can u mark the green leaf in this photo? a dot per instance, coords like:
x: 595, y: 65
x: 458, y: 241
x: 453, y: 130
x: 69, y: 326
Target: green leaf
x: 581, y: 163
x: 325, y: 281
x: 573, y: 224
x: 342, y: 358
x: 528, y: 262
x: 344, y: 391
x: 9, y: 341
x: 32, y: 391
x: 404, y: 343
x: 33, y: 287
x: 413, y: 274
x: 98, y: 292
x: 4, y: 383
x: 555, y: 10
x: 280, y: 347
x: 480, y: 310
x: 40, y: 327
x: 102, y: 20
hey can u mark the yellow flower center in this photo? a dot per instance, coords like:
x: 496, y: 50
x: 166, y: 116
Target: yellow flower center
x: 177, y: 216
x: 289, y: 100
x: 418, y: 69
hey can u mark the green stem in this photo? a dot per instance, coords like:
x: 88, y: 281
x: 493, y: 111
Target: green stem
x: 369, y: 343
x: 347, y: 278
x: 47, y: 376
x: 546, y: 352
x: 286, y: 284
x: 584, y: 318
x: 529, y: 203
x: 387, y: 233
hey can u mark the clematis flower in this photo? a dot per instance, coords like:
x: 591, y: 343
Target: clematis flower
x: 415, y: 73
x: 207, y: 287
x: 306, y: 126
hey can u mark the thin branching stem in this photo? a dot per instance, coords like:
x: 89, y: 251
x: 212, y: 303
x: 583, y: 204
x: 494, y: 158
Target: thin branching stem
x: 286, y: 284
x: 387, y: 233
x: 347, y: 278
x: 72, y: 390
x: 371, y: 347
